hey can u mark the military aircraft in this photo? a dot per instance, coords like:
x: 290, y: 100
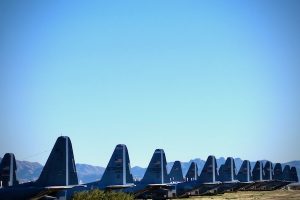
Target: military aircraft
x: 58, y: 174
x: 227, y: 175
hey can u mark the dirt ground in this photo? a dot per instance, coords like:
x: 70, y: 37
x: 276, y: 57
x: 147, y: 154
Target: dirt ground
x: 276, y: 195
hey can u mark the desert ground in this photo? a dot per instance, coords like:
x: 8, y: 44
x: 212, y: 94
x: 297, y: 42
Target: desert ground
x: 276, y: 195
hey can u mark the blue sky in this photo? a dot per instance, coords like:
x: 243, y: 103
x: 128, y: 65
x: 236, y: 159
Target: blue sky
x: 193, y: 77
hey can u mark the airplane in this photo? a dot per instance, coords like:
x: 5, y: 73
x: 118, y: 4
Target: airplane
x: 59, y: 174
x: 176, y: 175
x: 8, y: 169
x: 227, y: 175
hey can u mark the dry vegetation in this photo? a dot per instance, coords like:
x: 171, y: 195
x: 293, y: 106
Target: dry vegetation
x: 276, y: 195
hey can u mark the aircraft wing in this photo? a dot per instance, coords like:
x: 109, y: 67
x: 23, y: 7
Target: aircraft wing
x: 115, y: 187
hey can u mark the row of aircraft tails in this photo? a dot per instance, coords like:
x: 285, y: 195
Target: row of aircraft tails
x: 58, y: 179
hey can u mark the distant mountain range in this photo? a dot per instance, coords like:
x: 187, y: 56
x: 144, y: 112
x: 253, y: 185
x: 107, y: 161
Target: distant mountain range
x: 30, y: 171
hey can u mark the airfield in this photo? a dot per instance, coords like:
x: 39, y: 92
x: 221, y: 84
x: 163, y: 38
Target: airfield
x: 276, y: 195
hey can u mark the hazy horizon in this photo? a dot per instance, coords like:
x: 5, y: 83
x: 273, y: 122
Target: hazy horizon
x: 195, y: 78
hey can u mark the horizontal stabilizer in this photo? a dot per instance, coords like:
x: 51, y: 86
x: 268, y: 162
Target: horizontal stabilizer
x: 116, y: 187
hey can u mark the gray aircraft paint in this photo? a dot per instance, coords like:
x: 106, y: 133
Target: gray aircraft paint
x: 162, y: 169
x: 124, y: 166
x: 271, y: 178
x: 231, y: 160
x: 196, y: 175
x: 10, y: 183
x: 260, y: 171
x: 248, y: 172
x: 67, y: 165
x: 213, y: 170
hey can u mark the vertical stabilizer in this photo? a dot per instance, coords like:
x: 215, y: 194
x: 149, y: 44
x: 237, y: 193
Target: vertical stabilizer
x: 268, y: 171
x: 294, y: 175
x: 118, y: 169
x: 258, y: 171
x: 8, y: 169
x: 244, y: 174
x: 60, y: 169
x: 227, y: 171
x: 156, y: 172
x: 277, y: 172
x: 286, y: 173
x: 192, y: 173
x: 176, y: 173
x: 209, y: 171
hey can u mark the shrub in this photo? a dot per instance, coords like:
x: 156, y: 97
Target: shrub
x: 101, y: 195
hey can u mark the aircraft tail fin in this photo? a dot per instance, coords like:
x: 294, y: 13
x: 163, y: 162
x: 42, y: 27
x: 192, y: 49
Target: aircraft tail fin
x: 294, y: 175
x: 192, y: 173
x: 117, y: 171
x: 8, y: 169
x: 60, y: 169
x: 209, y: 172
x: 176, y: 172
x: 227, y: 172
x: 244, y: 174
x: 268, y: 171
x: 286, y: 173
x: 156, y: 172
x: 258, y: 171
x: 278, y: 171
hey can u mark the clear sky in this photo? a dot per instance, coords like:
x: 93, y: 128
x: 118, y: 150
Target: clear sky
x: 192, y: 77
